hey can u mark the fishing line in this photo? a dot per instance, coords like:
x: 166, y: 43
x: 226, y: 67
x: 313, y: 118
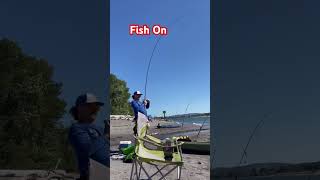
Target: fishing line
x: 150, y: 59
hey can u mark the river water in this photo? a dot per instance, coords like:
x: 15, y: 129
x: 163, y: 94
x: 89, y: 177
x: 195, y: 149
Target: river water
x: 193, y: 120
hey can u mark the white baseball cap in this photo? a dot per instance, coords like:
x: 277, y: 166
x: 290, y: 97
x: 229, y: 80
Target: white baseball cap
x: 88, y: 98
x: 137, y: 93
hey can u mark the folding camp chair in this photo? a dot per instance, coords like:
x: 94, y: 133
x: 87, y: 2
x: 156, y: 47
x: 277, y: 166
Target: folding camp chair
x: 153, y: 157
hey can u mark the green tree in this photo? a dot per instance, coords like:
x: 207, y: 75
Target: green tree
x: 119, y: 96
x: 30, y: 109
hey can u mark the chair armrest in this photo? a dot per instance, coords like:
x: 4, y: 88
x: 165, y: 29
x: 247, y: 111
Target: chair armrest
x: 152, y: 138
x: 157, y: 144
x: 151, y: 142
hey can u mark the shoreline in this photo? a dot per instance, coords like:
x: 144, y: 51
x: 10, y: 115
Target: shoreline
x: 122, y: 130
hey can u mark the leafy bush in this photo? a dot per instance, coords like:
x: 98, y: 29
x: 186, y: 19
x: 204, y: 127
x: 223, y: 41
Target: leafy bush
x: 30, y: 108
x: 119, y: 97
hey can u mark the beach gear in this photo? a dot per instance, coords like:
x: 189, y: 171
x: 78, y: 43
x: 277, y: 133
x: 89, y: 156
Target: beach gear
x: 202, y: 148
x: 117, y: 156
x: 183, y: 138
x: 128, y: 153
x: 124, y: 144
x: 168, y: 126
x: 128, y: 150
x: 156, y: 156
x: 168, y: 150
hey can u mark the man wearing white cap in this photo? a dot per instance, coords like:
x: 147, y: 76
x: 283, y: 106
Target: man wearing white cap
x: 88, y: 139
x: 138, y: 106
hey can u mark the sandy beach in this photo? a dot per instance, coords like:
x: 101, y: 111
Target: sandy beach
x: 36, y: 175
x: 195, y: 166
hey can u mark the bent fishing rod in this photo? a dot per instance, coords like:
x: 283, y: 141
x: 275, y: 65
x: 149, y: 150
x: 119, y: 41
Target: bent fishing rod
x: 201, y: 127
x: 150, y: 59
x: 185, y: 114
x: 205, y: 119
x: 244, y: 154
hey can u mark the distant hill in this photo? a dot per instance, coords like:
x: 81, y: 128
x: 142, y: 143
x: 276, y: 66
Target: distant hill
x: 267, y: 169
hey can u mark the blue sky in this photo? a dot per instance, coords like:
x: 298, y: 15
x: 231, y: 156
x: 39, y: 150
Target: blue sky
x: 179, y: 74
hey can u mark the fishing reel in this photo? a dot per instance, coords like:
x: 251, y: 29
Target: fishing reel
x: 147, y: 103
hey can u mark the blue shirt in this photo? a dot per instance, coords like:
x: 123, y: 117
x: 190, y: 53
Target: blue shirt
x: 138, y: 106
x: 89, y: 141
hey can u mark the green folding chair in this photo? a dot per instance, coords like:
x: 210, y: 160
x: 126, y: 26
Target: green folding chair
x: 155, y: 157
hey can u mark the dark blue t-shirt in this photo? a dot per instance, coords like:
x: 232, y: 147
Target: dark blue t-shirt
x: 89, y: 141
x: 138, y: 106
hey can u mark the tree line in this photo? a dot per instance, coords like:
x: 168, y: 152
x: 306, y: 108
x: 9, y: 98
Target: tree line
x: 31, y: 134
x: 119, y: 96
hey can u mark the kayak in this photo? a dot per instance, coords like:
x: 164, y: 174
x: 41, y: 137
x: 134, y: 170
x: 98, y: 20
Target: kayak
x: 196, y: 148
x: 168, y: 126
